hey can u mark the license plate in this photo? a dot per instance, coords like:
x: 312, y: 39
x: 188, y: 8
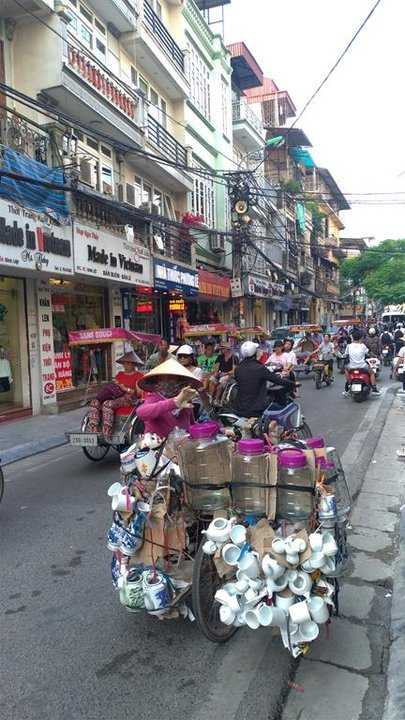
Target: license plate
x: 400, y: 370
x: 83, y: 439
x: 117, y: 439
x: 356, y: 387
x: 385, y: 352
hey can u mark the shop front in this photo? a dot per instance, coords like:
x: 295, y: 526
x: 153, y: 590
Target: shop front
x: 212, y: 303
x: 32, y: 247
x: 177, y: 288
x: 262, y: 297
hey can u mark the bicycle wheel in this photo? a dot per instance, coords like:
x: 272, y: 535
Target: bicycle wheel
x: 1, y: 484
x: 304, y: 432
x: 206, y: 582
x: 95, y: 453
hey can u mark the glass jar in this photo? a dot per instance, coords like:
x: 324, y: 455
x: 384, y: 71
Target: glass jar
x: 340, y: 488
x: 250, y: 486
x: 295, y: 486
x: 205, y: 463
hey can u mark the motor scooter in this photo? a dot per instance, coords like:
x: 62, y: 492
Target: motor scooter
x: 386, y: 353
x: 322, y: 374
x: 359, y: 384
x: 397, y: 369
x: 375, y: 365
x: 340, y: 354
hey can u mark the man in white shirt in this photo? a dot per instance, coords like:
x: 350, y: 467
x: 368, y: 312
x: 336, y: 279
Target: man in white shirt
x: 357, y: 353
x: 401, y: 361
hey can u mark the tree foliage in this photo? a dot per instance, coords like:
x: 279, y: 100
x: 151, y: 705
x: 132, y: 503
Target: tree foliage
x: 380, y: 270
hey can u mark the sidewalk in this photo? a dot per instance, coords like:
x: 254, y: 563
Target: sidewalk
x: 356, y: 671
x: 22, y: 438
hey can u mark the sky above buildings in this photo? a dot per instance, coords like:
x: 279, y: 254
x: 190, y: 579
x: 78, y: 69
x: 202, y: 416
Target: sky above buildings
x: 356, y: 122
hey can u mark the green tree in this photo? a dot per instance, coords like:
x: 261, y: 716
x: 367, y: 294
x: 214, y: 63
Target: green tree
x: 380, y: 270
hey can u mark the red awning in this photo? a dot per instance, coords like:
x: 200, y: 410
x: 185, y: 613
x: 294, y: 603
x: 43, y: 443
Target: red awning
x: 110, y: 335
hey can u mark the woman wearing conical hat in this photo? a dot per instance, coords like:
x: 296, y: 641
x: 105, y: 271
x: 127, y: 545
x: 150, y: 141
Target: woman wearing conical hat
x: 122, y: 392
x: 170, y: 389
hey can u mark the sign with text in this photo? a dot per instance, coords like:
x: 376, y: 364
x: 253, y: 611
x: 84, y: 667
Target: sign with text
x: 45, y: 327
x: 63, y: 371
x: 32, y: 241
x: 260, y: 287
x: 214, y: 286
x: 101, y: 254
x: 169, y: 276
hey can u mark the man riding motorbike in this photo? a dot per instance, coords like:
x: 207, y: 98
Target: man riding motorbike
x: 372, y: 342
x: 357, y: 353
x: 252, y: 378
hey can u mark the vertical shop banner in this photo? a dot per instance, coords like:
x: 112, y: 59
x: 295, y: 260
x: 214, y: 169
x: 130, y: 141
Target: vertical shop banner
x: 46, y: 345
x: 63, y: 371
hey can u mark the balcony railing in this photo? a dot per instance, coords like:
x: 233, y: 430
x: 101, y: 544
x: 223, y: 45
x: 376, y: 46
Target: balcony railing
x: 166, y: 143
x: 102, y: 83
x: 242, y: 111
x: 20, y: 135
x: 176, y: 244
x: 154, y: 24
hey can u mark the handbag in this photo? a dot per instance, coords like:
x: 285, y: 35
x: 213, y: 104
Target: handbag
x: 111, y: 391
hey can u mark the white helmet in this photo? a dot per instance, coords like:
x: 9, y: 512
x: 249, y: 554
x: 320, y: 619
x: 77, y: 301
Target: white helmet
x: 371, y: 331
x: 249, y: 349
x: 185, y: 350
x: 399, y: 326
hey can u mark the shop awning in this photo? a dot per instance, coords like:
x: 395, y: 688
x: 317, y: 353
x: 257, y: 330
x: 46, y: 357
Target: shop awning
x: 110, y: 335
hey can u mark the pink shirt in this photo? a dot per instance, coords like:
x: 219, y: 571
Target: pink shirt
x: 161, y: 416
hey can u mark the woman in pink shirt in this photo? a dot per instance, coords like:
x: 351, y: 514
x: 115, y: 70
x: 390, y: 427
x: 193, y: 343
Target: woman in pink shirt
x: 170, y: 388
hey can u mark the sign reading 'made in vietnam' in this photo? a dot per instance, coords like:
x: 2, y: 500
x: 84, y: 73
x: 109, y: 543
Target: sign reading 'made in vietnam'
x: 101, y: 254
x: 33, y: 242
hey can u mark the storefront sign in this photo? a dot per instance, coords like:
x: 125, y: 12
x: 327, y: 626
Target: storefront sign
x: 214, y: 286
x: 260, y: 287
x: 101, y: 254
x: 46, y: 345
x: 177, y: 305
x: 169, y: 276
x: 236, y: 288
x: 33, y: 242
x: 63, y: 371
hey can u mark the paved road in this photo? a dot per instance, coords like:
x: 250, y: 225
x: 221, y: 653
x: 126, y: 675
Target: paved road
x: 68, y: 650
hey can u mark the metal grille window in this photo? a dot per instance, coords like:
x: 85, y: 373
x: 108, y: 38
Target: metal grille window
x: 225, y: 103
x: 203, y: 199
x: 199, y: 78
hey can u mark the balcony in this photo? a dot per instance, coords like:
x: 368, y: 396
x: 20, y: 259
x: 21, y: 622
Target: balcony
x: 158, y: 54
x: 24, y: 137
x: 79, y: 86
x: 246, y: 73
x: 159, y: 139
x: 247, y: 127
x: 332, y: 288
x: 167, y: 144
x: 122, y: 14
x: 172, y: 244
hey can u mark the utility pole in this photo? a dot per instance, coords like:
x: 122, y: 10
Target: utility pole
x: 240, y: 195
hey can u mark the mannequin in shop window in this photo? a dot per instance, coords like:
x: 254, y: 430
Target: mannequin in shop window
x: 6, y: 376
x: 102, y: 411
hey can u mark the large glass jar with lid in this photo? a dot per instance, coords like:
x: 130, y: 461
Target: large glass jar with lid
x: 250, y: 484
x: 295, y: 486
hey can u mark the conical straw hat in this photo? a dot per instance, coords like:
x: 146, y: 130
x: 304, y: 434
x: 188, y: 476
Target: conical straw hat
x: 169, y: 367
x: 131, y: 357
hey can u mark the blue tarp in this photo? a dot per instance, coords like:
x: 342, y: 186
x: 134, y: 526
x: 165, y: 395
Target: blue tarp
x: 301, y: 156
x: 37, y: 197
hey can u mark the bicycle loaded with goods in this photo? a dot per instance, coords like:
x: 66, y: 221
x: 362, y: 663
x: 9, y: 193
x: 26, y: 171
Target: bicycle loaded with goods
x: 231, y: 534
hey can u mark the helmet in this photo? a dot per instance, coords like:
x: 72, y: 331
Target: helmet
x: 371, y: 331
x: 185, y: 350
x: 399, y: 326
x: 248, y: 349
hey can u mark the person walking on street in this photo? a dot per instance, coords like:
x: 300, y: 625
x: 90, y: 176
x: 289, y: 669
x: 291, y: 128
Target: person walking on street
x: 160, y: 356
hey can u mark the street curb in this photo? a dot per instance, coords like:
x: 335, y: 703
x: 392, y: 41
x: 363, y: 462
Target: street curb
x: 394, y: 704
x: 20, y: 452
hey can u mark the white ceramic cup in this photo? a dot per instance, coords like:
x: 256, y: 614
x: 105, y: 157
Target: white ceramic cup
x: 278, y: 545
x: 271, y: 616
x: 209, y: 547
x: 242, y: 585
x: 285, y: 601
x: 301, y: 585
x: 299, y: 612
x: 251, y: 618
x: 308, y: 631
x: 318, y: 609
x: 329, y: 566
x: 226, y: 615
x: 317, y: 559
x: 230, y: 554
x: 316, y: 541
x: 238, y: 535
x: 300, y: 545
x: 330, y: 547
x: 218, y: 530
x: 289, y: 638
x: 277, y: 585
x: 114, y: 489
x: 249, y: 564
x: 307, y: 566
x: 224, y: 598
x: 291, y: 575
x: 230, y: 588
x: 123, y: 502
x: 240, y: 619
x: 256, y: 584
x: 271, y: 568
x: 292, y: 558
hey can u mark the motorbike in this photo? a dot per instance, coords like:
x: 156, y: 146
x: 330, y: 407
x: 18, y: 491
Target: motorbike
x: 127, y: 427
x: 397, y: 369
x: 322, y: 374
x: 359, y: 384
x: 303, y: 364
x: 386, y: 355
x: 375, y: 365
x: 340, y: 357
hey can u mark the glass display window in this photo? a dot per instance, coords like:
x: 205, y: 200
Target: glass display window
x: 14, y: 372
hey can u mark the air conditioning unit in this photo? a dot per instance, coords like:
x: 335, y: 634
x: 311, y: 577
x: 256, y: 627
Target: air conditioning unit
x: 217, y: 242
